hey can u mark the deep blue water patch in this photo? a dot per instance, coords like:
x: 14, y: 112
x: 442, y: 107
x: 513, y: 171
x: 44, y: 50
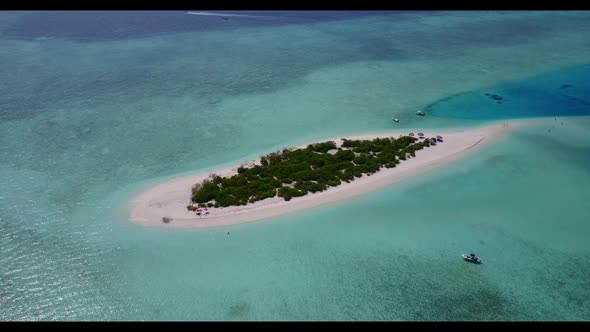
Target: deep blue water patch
x: 559, y: 93
x: 88, y: 26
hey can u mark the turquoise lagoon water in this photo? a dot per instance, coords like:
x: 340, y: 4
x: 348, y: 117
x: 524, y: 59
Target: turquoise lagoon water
x: 86, y: 121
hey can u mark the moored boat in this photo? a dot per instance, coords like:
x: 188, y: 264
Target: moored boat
x: 471, y: 258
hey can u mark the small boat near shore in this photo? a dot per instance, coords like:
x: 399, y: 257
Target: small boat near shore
x: 420, y: 113
x: 471, y: 258
x: 395, y: 119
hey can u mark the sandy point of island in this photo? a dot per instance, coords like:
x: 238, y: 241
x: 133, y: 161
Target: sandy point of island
x: 170, y: 199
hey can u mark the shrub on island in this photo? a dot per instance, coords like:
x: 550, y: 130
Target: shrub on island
x: 297, y: 172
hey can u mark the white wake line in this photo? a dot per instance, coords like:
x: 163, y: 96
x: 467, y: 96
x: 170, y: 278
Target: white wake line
x: 236, y: 15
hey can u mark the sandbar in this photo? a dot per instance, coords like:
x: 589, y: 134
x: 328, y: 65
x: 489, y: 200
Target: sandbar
x: 169, y: 199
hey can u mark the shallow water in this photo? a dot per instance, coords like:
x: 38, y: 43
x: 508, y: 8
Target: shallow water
x: 85, y: 123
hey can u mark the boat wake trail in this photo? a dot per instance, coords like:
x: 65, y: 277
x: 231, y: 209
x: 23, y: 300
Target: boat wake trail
x: 227, y: 15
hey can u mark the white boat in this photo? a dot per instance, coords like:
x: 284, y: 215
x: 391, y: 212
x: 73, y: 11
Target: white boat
x: 395, y: 119
x: 471, y: 258
x: 420, y: 113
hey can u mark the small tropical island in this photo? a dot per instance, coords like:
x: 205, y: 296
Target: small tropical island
x: 305, y: 177
x: 297, y: 172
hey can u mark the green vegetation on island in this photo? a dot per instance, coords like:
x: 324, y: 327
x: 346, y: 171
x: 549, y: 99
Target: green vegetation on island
x: 293, y: 173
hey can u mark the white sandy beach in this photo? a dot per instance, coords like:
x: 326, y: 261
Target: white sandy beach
x: 170, y: 199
